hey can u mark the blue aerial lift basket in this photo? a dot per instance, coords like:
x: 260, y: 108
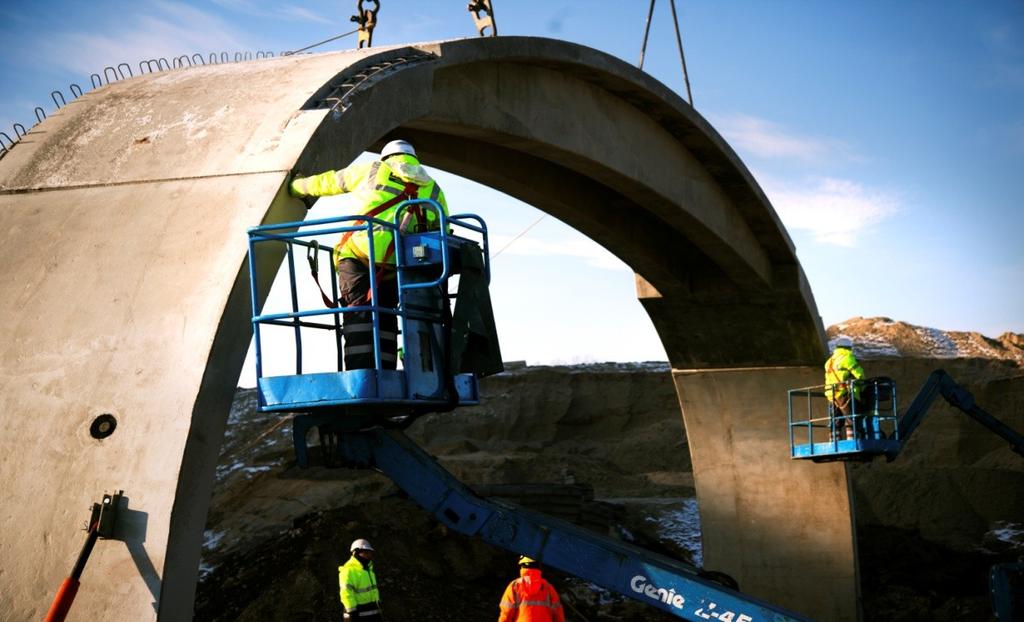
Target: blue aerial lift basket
x: 353, y: 410
x: 360, y: 398
x: 816, y: 425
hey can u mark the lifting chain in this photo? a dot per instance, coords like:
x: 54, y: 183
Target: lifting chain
x: 367, y: 20
x: 478, y: 7
x: 679, y: 43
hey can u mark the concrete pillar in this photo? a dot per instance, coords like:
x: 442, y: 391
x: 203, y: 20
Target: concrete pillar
x: 783, y: 528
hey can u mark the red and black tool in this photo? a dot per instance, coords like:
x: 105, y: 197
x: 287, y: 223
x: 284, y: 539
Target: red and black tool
x: 101, y: 525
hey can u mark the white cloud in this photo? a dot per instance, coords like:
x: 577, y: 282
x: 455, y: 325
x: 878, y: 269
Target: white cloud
x: 762, y: 138
x: 574, y: 245
x: 301, y: 14
x: 835, y: 211
x: 288, y: 12
x: 171, y: 30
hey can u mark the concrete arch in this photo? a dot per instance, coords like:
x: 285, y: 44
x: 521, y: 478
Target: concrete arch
x: 136, y: 304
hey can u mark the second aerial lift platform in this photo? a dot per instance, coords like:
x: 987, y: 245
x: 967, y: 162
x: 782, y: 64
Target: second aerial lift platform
x: 879, y: 430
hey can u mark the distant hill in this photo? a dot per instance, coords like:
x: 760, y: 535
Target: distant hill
x: 881, y: 337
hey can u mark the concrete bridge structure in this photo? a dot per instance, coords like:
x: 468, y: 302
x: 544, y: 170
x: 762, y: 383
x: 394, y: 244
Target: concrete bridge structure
x: 123, y: 291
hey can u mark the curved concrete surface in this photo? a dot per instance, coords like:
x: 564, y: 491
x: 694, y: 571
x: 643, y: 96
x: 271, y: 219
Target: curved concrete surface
x: 123, y: 219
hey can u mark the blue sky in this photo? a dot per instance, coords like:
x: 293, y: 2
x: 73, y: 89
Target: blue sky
x: 888, y: 135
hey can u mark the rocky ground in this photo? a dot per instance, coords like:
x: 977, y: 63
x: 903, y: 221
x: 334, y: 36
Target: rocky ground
x: 929, y: 524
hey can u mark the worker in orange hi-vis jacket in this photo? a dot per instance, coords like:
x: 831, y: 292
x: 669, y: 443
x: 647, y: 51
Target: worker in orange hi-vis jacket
x: 530, y: 598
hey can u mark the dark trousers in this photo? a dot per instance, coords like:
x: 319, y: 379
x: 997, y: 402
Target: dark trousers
x: 357, y: 326
x: 847, y: 428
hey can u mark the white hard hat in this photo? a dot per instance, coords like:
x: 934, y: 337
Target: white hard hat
x: 842, y: 341
x: 360, y: 545
x: 395, y: 147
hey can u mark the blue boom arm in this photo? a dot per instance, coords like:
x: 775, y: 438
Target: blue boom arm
x: 658, y: 581
x: 940, y: 383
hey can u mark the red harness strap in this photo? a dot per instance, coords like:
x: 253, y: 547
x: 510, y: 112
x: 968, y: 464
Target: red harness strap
x: 313, y: 257
x: 408, y: 192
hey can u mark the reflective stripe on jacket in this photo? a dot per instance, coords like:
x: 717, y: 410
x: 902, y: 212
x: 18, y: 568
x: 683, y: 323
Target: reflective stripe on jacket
x: 374, y: 184
x: 358, y: 587
x: 530, y: 598
x: 839, y: 368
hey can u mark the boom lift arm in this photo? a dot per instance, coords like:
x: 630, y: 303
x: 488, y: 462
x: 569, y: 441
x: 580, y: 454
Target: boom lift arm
x: 941, y: 383
x: 663, y: 583
x: 359, y: 412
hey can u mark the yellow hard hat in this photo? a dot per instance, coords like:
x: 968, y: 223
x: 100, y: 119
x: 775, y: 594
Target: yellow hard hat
x: 524, y: 560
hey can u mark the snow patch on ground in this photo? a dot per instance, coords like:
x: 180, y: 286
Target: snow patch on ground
x: 873, y: 346
x: 679, y: 521
x: 224, y: 470
x: 1007, y: 533
x: 942, y: 345
x: 675, y: 520
x: 211, y: 539
x: 253, y: 470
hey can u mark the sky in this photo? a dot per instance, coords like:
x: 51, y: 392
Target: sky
x: 889, y: 137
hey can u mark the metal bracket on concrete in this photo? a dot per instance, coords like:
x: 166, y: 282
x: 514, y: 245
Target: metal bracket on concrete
x: 104, y: 514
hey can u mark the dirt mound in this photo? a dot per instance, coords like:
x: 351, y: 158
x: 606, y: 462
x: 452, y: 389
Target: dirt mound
x: 881, y: 337
x: 907, y: 578
x: 276, y: 534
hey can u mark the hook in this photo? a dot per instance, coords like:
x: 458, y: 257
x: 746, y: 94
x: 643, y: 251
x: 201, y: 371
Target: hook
x: 20, y: 132
x: 75, y: 90
x: 367, y: 20
x: 4, y: 134
x: 476, y: 7
x: 200, y: 57
x: 62, y: 102
x: 126, y: 66
x: 96, y: 80
x: 40, y: 114
x: 224, y: 58
x: 109, y: 71
x: 180, y: 63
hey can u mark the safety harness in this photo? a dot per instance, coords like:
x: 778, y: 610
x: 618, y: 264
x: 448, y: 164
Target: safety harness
x: 409, y: 192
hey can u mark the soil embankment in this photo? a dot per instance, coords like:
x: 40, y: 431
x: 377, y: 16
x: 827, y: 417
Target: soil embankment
x: 929, y: 524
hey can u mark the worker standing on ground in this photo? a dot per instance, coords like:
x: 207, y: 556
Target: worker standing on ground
x: 841, y: 368
x: 358, y: 585
x: 379, y: 187
x: 530, y: 598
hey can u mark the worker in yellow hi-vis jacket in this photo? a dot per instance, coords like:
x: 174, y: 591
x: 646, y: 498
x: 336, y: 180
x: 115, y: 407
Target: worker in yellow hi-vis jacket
x: 841, y: 387
x: 358, y: 585
x: 380, y: 187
